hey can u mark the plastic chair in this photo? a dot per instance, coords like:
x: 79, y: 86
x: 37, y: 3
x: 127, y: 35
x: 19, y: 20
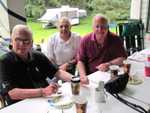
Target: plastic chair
x: 132, y: 34
x: 2, y: 102
x: 4, y: 98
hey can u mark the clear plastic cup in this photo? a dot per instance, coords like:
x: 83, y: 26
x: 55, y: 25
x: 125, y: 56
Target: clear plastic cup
x: 81, y: 104
x: 114, y: 70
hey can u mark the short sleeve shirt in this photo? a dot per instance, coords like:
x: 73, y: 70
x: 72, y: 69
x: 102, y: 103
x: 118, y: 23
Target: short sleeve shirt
x: 26, y: 74
x: 60, y: 51
x: 93, y: 54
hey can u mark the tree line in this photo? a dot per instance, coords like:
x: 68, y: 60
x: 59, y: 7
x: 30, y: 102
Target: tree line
x: 114, y: 9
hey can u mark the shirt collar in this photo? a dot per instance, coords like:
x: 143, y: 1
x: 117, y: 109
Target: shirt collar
x: 93, y: 38
x: 62, y: 41
x: 30, y: 57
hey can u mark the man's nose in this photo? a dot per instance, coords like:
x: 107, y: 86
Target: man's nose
x: 63, y: 27
x: 21, y: 43
x: 99, y: 29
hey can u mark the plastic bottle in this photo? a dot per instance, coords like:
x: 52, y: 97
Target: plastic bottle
x: 147, y: 66
x: 99, y: 93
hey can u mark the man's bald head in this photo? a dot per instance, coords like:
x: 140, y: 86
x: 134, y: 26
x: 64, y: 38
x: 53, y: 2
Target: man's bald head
x: 100, y: 27
x: 64, y: 27
x: 64, y: 20
x: 100, y: 18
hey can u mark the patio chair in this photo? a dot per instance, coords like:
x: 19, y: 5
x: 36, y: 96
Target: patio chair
x: 132, y: 34
x: 2, y: 102
x: 4, y: 97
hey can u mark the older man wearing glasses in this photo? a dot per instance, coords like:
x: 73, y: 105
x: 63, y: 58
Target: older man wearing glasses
x: 99, y: 49
x: 23, y: 71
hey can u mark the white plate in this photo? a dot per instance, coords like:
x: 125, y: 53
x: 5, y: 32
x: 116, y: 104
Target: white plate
x: 55, y: 97
x: 64, y: 103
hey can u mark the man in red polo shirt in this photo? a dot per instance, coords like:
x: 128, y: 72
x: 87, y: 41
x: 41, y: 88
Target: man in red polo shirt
x: 99, y: 49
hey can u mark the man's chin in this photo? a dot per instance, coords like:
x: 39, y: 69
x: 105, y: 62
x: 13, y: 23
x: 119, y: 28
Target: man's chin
x: 22, y: 53
x: 101, y: 35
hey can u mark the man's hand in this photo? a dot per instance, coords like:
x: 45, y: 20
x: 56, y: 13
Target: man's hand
x: 19, y: 94
x: 84, y: 80
x: 52, y: 88
x: 103, y: 67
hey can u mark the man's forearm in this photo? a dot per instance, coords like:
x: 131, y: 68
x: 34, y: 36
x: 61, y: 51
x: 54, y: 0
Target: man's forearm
x: 64, y: 75
x: 117, y: 61
x: 81, y: 69
x: 19, y: 94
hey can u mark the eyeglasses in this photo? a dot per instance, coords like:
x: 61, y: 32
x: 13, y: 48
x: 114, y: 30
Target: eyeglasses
x: 24, y: 41
x: 105, y: 26
x: 65, y: 26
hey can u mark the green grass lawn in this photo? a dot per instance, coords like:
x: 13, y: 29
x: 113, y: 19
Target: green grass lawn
x: 40, y: 33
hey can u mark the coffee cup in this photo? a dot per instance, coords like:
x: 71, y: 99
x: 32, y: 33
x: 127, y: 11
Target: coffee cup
x: 75, y: 85
x: 114, y: 70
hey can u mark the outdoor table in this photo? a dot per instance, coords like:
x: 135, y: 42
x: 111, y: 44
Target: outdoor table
x: 138, y: 94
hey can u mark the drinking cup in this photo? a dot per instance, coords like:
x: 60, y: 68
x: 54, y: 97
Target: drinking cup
x: 75, y: 85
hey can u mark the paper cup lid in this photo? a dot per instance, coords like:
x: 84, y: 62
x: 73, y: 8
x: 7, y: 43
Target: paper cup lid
x: 75, y: 79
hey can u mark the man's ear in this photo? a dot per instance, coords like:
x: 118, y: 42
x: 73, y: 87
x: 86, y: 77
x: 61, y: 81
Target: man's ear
x: 32, y: 43
x: 10, y: 44
x: 108, y: 26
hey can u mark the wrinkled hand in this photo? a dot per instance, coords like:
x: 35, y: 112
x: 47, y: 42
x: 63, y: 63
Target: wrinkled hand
x: 64, y: 66
x: 84, y: 80
x: 52, y: 88
x: 103, y: 67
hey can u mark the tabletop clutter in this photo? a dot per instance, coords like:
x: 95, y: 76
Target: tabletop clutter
x: 80, y: 101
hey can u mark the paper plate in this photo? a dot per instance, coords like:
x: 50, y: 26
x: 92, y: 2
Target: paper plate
x: 65, y: 103
x: 55, y: 97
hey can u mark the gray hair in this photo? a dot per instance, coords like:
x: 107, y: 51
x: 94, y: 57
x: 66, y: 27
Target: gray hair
x: 21, y: 28
x: 102, y: 17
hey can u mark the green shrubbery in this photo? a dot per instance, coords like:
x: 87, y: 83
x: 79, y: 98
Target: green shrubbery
x: 114, y: 9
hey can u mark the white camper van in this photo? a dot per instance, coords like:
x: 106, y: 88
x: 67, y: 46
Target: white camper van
x: 51, y: 16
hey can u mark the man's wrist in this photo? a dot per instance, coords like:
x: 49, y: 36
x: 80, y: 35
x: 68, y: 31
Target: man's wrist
x: 110, y: 63
x: 82, y: 76
x: 70, y: 63
x: 41, y: 92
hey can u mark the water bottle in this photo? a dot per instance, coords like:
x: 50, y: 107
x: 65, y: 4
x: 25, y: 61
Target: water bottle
x: 99, y: 93
x: 147, y: 66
